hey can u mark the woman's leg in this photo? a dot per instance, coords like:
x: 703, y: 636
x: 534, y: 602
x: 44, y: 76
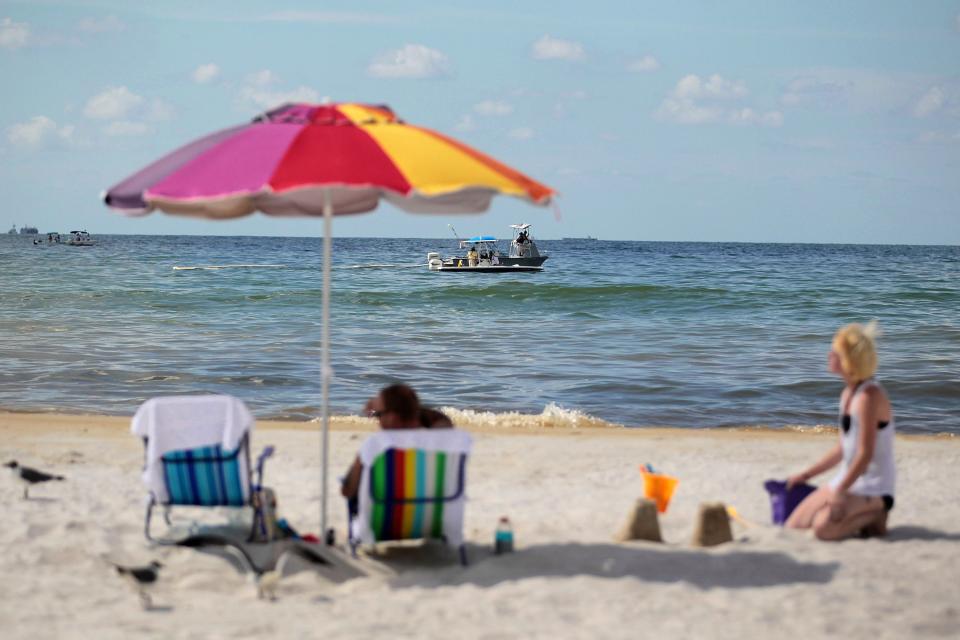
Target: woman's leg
x: 850, y: 517
x: 802, y: 517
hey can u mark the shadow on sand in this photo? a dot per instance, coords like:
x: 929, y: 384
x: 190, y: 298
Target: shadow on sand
x: 903, y: 534
x: 703, y: 569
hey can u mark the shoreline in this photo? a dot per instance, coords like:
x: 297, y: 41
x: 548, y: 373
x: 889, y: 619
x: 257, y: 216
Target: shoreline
x: 16, y: 420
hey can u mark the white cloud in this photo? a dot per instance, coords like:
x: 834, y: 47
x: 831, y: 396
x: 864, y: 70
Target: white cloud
x: 113, y: 104
x: 686, y: 112
x: 13, y: 35
x: 859, y: 90
x: 807, y: 89
x: 493, y: 108
x: 696, y: 100
x: 262, y: 78
x: 646, y: 64
x: 547, y: 48
x: 39, y: 131
x: 126, y: 113
x: 205, y: 73
x: 157, y: 110
x: 692, y: 87
x: 466, y: 123
x: 126, y: 128
x: 928, y: 137
x: 746, y: 115
x: 521, y: 133
x: 260, y: 91
x: 269, y: 99
x: 929, y: 103
x: 410, y: 61
x: 812, y: 144
x: 107, y: 24
x: 328, y: 17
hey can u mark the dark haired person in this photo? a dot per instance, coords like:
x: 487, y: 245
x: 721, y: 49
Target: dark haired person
x: 395, y: 407
x: 434, y: 419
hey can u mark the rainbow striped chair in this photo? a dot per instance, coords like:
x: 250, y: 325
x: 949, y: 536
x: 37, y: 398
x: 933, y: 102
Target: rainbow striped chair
x: 197, y: 453
x: 412, y: 487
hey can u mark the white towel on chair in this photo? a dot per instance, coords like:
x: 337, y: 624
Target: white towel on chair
x: 172, y: 423
x: 449, y: 440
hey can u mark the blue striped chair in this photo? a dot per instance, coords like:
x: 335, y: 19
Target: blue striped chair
x: 209, y: 475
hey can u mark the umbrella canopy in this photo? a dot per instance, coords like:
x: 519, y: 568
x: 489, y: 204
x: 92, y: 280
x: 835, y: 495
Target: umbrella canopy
x: 327, y: 159
x: 289, y: 160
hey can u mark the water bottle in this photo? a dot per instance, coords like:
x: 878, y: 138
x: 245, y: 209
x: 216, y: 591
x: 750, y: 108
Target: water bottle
x: 503, y: 537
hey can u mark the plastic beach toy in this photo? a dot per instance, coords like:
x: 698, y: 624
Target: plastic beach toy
x: 782, y: 501
x: 658, y: 487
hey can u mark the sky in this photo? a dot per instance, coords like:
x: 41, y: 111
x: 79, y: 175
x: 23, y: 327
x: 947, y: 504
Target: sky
x: 695, y: 121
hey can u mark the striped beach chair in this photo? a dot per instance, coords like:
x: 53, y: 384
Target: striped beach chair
x: 412, y: 487
x: 197, y: 453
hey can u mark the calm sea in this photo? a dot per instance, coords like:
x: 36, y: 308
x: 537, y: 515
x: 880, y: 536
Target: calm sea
x: 635, y: 333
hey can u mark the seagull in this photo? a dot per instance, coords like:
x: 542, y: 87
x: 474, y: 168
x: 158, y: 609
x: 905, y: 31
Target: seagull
x: 142, y: 578
x: 30, y: 476
x: 267, y: 582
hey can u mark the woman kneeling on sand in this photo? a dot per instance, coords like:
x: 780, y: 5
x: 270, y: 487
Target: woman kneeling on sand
x: 858, y: 498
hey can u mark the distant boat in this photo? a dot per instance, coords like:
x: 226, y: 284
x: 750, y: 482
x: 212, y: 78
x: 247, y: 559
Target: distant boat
x: 24, y: 231
x: 80, y: 239
x: 485, y: 257
x: 52, y: 238
x: 587, y: 239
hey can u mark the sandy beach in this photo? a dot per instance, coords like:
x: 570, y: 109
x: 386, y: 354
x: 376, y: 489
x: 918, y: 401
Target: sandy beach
x: 567, y: 491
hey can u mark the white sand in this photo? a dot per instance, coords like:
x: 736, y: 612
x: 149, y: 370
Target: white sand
x: 566, y: 491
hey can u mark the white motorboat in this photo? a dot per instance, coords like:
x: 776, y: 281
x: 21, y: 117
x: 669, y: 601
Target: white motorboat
x: 483, y: 255
x: 80, y: 239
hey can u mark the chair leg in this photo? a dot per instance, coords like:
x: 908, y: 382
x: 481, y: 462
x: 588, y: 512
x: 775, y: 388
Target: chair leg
x: 146, y: 520
x: 463, y: 555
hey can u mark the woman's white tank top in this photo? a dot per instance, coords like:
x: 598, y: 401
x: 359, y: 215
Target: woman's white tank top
x: 880, y: 477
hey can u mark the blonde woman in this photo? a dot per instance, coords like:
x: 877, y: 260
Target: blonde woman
x: 857, y: 499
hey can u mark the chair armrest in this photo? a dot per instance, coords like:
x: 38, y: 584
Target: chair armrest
x: 261, y: 459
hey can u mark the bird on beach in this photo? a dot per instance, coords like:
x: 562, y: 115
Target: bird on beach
x: 30, y: 476
x: 142, y: 579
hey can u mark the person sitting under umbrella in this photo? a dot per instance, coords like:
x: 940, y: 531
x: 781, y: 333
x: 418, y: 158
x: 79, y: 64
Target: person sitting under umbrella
x: 396, y: 407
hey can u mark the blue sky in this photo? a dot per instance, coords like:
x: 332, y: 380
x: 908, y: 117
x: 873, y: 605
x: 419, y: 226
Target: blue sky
x: 727, y: 121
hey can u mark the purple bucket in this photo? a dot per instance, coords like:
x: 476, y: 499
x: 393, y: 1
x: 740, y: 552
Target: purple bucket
x: 783, y: 502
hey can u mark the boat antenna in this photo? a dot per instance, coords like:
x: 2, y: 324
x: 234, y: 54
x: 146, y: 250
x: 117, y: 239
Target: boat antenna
x: 454, y: 231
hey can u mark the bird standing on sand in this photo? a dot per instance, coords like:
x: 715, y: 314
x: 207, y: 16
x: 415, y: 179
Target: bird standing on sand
x: 142, y: 579
x: 30, y: 476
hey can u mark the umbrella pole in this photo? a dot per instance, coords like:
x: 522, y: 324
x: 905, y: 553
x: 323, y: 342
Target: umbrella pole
x: 325, y: 371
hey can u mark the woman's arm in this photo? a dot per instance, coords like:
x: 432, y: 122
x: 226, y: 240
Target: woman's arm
x: 866, y: 408
x: 828, y: 461
x: 351, y: 484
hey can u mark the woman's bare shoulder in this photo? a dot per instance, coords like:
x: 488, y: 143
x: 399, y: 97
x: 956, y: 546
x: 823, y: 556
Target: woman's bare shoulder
x: 873, y: 394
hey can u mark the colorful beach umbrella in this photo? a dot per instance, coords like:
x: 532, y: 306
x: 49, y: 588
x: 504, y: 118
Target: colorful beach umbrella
x: 322, y: 159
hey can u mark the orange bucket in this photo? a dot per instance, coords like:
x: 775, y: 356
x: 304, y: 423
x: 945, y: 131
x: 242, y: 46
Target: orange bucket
x: 658, y: 488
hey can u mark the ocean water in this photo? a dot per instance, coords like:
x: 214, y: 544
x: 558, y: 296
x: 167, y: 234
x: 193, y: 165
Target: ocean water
x: 634, y: 333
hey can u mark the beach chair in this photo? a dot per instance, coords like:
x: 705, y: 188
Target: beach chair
x: 197, y: 454
x: 412, y: 487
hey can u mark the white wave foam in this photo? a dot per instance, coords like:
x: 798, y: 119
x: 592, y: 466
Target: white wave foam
x: 553, y: 416
x: 228, y: 266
